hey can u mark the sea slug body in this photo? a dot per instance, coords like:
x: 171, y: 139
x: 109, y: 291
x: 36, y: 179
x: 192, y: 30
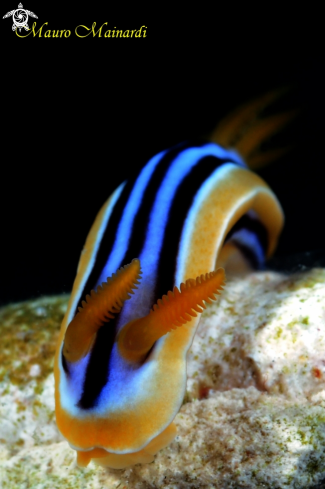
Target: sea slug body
x: 142, y: 281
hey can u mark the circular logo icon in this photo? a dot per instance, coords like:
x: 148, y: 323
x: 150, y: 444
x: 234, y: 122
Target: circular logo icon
x: 20, y: 17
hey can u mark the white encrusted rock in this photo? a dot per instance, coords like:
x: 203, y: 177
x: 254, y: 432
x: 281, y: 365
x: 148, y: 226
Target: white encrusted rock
x: 267, y: 330
x: 253, y: 415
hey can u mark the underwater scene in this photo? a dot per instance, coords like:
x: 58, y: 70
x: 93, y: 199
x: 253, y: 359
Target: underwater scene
x: 171, y: 374
x: 162, y: 302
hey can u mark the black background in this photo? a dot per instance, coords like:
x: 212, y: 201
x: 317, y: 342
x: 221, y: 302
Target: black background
x: 77, y: 113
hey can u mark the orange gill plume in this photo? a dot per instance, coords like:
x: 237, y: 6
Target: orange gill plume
x: 174, y: 309
x: 98, y: 308
x: 244, y: 129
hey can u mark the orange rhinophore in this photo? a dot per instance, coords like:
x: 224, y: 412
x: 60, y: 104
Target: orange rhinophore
x: 98, y: 308
x: 174, y: 309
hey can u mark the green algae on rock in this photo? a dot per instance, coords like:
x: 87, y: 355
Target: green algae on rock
x: 29, y: 332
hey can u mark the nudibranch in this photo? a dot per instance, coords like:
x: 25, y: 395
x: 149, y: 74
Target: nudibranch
x: 150, y: 263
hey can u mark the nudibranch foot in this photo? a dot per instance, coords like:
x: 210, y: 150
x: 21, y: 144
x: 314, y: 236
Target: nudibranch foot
x: 99, y: 307
x: 174, y: 309
x: 121, y: 461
